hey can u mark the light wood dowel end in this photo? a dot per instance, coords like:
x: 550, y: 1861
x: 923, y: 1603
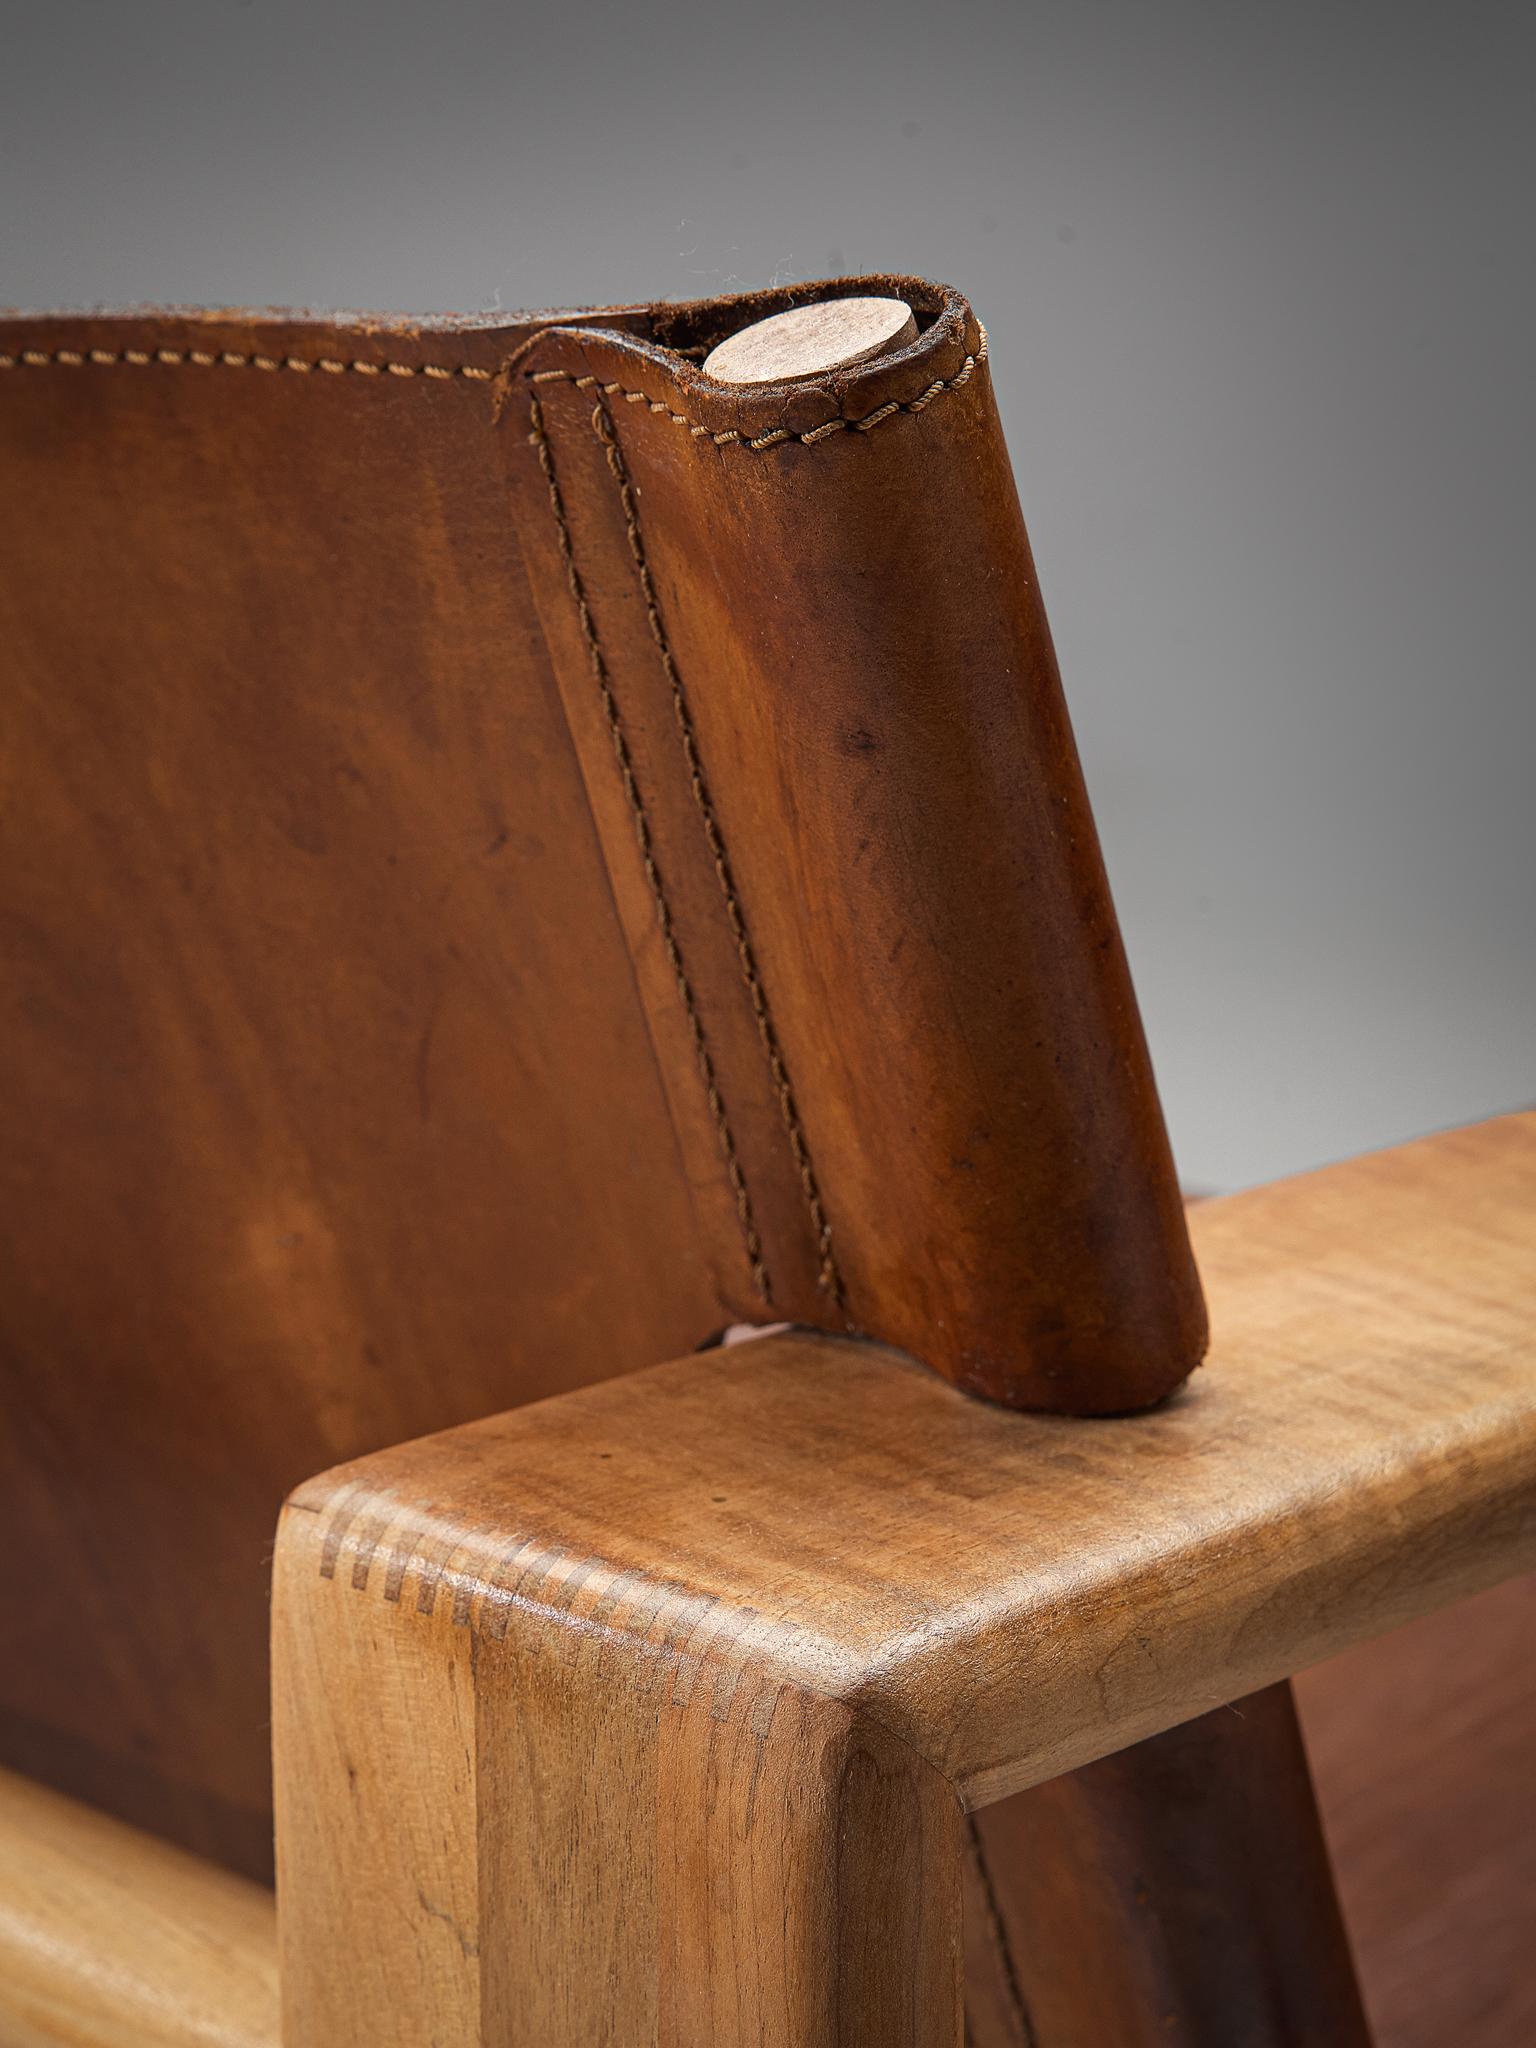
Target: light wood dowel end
x: 812, y: 341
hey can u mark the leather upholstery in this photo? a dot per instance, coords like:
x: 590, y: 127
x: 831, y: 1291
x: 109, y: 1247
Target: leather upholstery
x: 515, y: 857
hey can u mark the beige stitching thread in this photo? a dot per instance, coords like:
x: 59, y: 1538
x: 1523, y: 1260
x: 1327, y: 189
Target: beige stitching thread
x: 234, y: 360
x: 780, y: 435
x: 663, y: 909
x: 830, y: 1278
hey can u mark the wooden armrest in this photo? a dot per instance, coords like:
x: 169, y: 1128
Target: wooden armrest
x: 622, y: 1678
x: 111, y: 1939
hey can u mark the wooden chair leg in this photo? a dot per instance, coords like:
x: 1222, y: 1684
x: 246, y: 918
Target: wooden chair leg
x: 1179, y: 1890
x: 545, y: 1836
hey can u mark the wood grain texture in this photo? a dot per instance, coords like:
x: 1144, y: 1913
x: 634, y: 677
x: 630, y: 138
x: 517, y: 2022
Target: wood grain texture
x: 804, y: 1565
x: 1422, y: 1740
x: 1176, y: 1892
x: 111, y: 1939
x: 1423, y: 1743
x: 534, y: 1833
x: 1015, y: 1595
x: 1424, y: 1750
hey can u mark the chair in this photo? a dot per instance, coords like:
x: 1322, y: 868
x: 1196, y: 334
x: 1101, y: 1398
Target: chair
x: 533, y: 847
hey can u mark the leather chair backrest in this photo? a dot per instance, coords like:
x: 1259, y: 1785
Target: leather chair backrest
x: 516, y: 856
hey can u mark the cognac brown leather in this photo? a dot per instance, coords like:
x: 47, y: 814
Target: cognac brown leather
x: 515, y: 856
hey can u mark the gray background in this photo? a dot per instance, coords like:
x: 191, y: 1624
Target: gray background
x: 1259, y: 286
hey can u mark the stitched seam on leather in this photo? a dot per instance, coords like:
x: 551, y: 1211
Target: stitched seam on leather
x: 830, y: 1278
x: 234, y: 359
x: 997, y: 1932
x: 663, y: 909
x: 780, y: 435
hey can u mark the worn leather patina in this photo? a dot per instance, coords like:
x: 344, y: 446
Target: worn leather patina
x: 516, y: 856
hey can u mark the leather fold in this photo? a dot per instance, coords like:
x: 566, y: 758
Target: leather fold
x: 809, y: 619
x: 515, y: 856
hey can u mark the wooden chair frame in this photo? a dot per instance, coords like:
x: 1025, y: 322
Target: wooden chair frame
x: 652, y: 1713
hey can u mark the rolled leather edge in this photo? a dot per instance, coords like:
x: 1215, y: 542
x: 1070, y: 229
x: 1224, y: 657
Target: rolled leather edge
x: 852, y: 608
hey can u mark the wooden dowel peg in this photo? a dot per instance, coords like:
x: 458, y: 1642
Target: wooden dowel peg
x: 808, y: 341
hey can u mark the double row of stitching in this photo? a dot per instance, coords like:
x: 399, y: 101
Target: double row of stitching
x: 830, y: 1278
x: 235, y: 359
x: 663, y: 909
